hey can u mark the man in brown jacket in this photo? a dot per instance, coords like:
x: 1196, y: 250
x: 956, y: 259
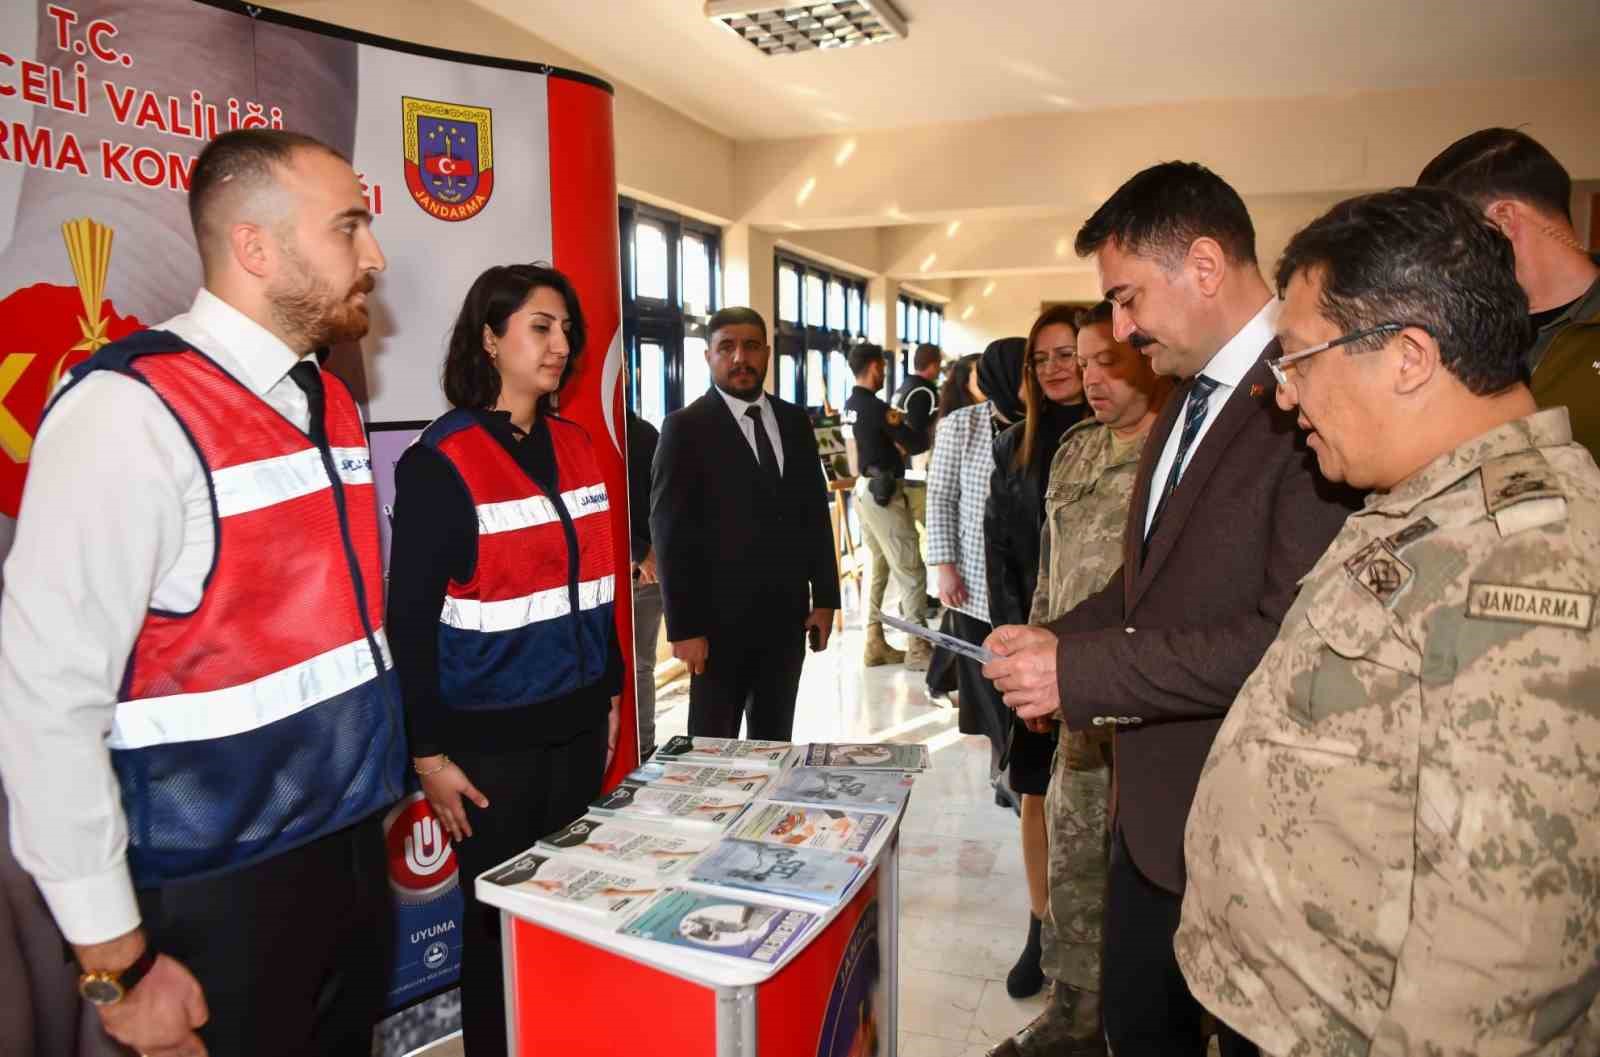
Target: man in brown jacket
x: 1228, y: 513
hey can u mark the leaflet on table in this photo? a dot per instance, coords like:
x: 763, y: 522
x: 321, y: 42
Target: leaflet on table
x: 834, y: 787
x: 684, y: 749
x: 631, y: 799
x: 659, y: 854
x: 875, y: 756
x: 802, y: 873
x: 560, y: 881
x: 938, y: 638
x: 807, y: 826
x: 717, y: 924
x: 692, y: 777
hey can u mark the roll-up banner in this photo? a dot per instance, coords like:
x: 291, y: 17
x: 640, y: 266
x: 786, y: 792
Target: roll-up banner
x: 467, y: 161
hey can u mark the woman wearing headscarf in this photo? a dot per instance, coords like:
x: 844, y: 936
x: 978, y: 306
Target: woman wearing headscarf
x: 1050, y: 402
x: 958, y: 486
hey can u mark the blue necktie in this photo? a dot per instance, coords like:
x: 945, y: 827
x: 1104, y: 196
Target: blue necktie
x: 1194, y: 414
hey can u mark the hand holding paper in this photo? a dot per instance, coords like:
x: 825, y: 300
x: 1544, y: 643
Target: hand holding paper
x: 938, y: 638
x: 1024, y: 669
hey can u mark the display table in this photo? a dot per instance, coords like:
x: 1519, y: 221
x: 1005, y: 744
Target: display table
x: 576, y: 988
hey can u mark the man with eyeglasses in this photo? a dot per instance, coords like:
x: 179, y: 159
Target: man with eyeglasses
x: 1527, y: 194
x: 1395, y: 844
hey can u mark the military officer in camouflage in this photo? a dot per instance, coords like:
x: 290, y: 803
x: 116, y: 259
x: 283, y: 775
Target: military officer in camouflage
x: 1395, y: 844
x: 1086, y: 513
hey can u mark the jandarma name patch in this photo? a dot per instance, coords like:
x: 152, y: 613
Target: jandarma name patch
x: 1531, y: 605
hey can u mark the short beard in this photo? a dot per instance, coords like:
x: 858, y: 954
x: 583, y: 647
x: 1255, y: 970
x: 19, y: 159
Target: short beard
x: 306, y: 310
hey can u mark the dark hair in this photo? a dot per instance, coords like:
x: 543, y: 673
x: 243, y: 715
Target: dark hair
x: 1159, y: 213
x: 1093, y: 316
x: 863, y: 356
x: 735, y: 316
x: 1421, y: 256
x: 471, y: 379
x: 1033, y: 398
x: 926, y: 356
x: 244, y: 158
x: 953, y: 395
x: 1502, y: 163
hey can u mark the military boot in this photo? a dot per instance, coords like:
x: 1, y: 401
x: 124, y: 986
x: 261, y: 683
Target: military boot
x: 878, y: 651
x: 1068, y: 1027
x: 919, y: 654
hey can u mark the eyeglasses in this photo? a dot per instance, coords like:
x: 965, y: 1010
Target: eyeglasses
x: 1277, y: 365
x: 1059, y: 357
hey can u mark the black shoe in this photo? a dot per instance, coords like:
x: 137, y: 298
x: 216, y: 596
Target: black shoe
x: 1026, y: 978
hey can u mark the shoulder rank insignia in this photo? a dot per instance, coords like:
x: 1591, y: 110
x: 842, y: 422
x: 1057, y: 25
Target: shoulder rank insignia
x: 1520, y: 492
x: 1379, y: 570
x: 1411, y: 533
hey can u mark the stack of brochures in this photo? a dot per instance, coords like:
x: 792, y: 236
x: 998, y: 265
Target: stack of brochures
x: 733, y: 848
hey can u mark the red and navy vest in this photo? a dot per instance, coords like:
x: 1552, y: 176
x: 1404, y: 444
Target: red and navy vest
x: 534, y: 621
x: 267, y: 716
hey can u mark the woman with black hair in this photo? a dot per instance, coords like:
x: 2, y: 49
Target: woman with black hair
x: 501, y: 587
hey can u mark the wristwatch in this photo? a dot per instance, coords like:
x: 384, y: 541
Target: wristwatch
x: 103, y: 987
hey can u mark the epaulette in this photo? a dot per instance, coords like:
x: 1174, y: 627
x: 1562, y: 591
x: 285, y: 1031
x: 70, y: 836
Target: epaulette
x: 1520, y: 492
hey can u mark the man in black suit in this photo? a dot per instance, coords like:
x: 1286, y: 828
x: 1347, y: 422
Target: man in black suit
x: 1228, y: 512
x: 743, y: 541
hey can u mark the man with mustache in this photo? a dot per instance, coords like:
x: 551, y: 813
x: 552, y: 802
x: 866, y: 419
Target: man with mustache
x: 743, y: 540
x: 1395, y: 843
x: 1227, y: 514
x: 200, y: 713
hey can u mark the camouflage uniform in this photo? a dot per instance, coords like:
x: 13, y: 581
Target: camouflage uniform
x: 1395, y: 844
x: 1086, y: 510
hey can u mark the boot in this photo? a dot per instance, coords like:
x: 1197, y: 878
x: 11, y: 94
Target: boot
x: 878, y: 651
x: 1068, y: 1027
x: 919, y: 654
x: 1025, y: 978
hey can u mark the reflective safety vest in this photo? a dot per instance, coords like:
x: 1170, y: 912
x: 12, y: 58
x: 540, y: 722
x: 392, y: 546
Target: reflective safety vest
x: 268, y: 715
x: 534, y: 621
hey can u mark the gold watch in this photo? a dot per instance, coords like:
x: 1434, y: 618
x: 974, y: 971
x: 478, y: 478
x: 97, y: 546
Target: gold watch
x: 106, y: 987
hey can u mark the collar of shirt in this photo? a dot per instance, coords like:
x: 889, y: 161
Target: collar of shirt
x: 240, y: 345
x: 1585, y: 309
x: 1235, y: 359
x: 737, y: 405
x: 1542, y: 429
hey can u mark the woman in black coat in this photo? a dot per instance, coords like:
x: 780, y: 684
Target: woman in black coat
x: 1051, y: 403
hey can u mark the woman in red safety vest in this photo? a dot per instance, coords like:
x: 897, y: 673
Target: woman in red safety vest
x: 501, y: 588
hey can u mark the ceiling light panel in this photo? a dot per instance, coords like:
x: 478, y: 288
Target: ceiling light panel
x: 790, y: 29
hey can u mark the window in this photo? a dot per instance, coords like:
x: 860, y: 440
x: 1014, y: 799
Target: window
x: 671, y: 267
x: 821, y: 313
x: 920, y: 323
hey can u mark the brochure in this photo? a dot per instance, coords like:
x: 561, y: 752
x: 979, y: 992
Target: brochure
x: 803, y: 873
x: 660, y: 854
x: 574, y: 885
x: 806, y: 826
x: 838, y: 787
x: 631, y: 799
x: 876, y: 756
x: 684, y: 749
x: 718, y: 924
x: 703, y: 778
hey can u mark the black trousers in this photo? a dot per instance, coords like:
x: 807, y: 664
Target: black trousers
x: 753, y: 677
x: 293, y: 952
x: 532, y: 791
x: 1148, y: 1010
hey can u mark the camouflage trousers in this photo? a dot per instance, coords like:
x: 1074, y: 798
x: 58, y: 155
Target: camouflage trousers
x: 1075, y: 815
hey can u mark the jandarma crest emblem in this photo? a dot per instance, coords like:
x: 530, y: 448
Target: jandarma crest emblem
x: 449, y: 157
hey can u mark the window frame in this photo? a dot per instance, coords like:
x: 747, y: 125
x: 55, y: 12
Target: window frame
x: 663, y: 321
x: 792, y: 341
x: 924, y: 317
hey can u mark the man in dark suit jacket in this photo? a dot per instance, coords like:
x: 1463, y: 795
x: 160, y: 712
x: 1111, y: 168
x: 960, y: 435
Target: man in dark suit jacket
x: 1228, y: 512
x: 743, y: 540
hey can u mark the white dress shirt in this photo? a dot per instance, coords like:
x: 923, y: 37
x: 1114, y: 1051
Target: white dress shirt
x: 737, y: 408
x: 116, y: 520
x: 1227, y: 368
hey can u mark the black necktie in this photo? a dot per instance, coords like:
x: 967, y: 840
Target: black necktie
x: 306, y: 375
x: 764, y: 453
x: 1194, y: 414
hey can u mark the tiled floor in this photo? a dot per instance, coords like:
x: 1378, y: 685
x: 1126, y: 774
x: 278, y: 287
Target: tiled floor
x: 963, y: 904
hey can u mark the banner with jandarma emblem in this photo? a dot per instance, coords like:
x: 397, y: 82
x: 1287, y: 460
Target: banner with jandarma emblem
x: 449, y: 157
x: 104, y: 107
